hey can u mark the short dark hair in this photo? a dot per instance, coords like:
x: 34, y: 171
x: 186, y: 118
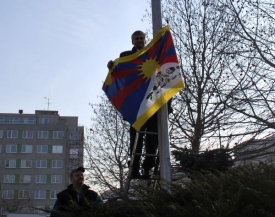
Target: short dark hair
x: 76, y: 170
x: 138, y: 32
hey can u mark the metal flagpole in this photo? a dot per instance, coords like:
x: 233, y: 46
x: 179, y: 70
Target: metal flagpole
x: 164, y: 147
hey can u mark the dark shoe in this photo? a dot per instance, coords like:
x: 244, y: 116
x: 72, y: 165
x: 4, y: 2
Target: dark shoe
x: 135, y: 172
x: 145, y: 173
x: 135, y: 175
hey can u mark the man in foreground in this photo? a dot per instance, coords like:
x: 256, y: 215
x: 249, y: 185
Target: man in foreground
x: 77, y: 194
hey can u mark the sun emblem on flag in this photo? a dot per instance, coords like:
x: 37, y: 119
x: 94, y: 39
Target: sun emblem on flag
x: 149, y: 67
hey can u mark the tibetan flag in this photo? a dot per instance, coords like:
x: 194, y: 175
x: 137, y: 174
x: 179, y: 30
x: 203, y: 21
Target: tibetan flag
x: 138, y: 85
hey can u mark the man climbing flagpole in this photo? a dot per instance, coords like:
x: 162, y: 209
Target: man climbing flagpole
x: 140, y: 83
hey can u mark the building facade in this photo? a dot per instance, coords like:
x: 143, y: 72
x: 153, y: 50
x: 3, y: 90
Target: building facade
x: 37, y: 153
x: 255, y: 151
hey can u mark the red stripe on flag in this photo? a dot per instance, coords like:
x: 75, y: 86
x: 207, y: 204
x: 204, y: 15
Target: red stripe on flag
x: 137, y: 61
x: 124, y: 92
x: 171, y: 58
x: 152, y: 51
x: 124, y: 73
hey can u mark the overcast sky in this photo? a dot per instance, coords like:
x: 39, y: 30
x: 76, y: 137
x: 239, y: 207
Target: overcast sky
x: 59, y: 49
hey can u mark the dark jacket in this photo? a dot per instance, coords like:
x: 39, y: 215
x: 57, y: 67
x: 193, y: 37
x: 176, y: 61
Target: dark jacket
x: 128, y: 52
x: 70, y: 195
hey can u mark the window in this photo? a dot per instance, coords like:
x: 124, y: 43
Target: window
x: 7, y: 194
x: 42, y: 149
x: 2, y: 120
x: 11, y: 149
x: 27, y: 134
x: 26, y: 163
x: 58, y: 134
x: 4, y: 211
x: 73, y: 153
x: 56, y: 178
x: 14, y: 120
x: 57, y: 149
x: 40, y: 179
x: 43, y: 134
x: 1, y: 133
x: 39, y: 194
x: 26, y: 149
x: 29, y: 120
x: 23, y: 194
x: 25, y: 179
x: 0, y: 148
x: 54, y: 193
x: 72, y: 166
x: 10, y: 163
x: 9, y: 179
x: 57, y: 163
x: 74, y: 139
x: 41, y: 164
x: 44, y: 121
x: 12, y: 133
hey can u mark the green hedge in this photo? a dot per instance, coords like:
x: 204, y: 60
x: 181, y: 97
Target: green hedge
x: 244, y: 191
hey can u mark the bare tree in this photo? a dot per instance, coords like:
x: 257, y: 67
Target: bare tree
x: 254, y: 61
x: 107, y: 147
x: 224, y: 82
x: 200, y: 115
x: 253, y: 68
x: 13, y: 205
x: 255, y: 21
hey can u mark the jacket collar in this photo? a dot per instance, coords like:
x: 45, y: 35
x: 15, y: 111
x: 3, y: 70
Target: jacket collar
x: 134, y: 49
x: 83, y: 188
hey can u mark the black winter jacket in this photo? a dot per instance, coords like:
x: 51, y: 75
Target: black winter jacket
x: 70, y: 194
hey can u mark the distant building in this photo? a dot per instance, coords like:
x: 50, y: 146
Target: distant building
x: 255, y: 151
x: 37, y: 153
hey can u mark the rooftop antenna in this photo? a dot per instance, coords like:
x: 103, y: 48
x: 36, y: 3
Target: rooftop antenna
x: 48, y: 100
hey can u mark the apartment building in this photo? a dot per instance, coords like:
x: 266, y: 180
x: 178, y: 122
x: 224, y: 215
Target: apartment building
x: 37, y: 153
